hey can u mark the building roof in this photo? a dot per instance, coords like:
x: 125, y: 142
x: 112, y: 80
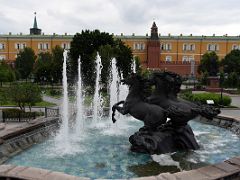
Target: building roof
x: 130, y: 37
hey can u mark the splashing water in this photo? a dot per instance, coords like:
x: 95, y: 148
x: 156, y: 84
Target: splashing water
x: 97, y: 100
x: 113, y: 86
x: 80, y: 107
x: 123, y: 90
x: 64, y: 127
x: 134, y: 66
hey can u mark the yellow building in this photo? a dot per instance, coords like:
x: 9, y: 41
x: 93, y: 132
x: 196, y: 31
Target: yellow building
x: 176, y: 53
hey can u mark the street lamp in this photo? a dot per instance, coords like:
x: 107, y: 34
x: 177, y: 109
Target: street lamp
x: 221, y: 77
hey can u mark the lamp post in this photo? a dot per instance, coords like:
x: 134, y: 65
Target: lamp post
x: 222, y: 77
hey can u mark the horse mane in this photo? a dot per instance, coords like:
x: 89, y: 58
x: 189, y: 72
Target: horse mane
x: 172, y: 81
x: 145, y: 88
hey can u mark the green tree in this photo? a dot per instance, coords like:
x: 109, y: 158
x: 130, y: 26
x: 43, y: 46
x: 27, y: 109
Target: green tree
x: 43, y: 67
x: 25, y: 94
x: 138, y: 65
x: 124, y: 58
x: 209, y: 63
x: 106, y: 53
x: 204, y: 78
x: 25, y: 61
x: 232, y: 80
x: 231, y: 62
x: 87, y: 43
x: 6, y: 73
x: 57, y: 63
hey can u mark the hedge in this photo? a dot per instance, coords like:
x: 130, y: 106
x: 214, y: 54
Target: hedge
x: 203, y: 97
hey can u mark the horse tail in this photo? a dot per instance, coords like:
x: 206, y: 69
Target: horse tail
x: 206, y: 111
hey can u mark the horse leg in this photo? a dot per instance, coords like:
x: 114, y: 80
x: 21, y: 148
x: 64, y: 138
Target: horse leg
x: 114, y: 110
x: 123, y: 110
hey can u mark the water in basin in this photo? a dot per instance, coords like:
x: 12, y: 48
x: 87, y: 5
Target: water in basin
x: 103, y: 152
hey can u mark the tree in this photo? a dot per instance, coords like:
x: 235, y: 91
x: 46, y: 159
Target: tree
x: 124, y: 58
x: 48, y: 67
x: 87, y: 44
x: 43, y: 67
x: 138, y: 65
x: 232, y: 80
x: 57, y: 63
x: 25, y: 94
x: 25, y: 61
x: 209, y: 63
x: 106, y: 53
x: 6, y: 73
x: 231, y: 62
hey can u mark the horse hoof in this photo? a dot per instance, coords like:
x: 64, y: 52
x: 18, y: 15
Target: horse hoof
x: 114, y: 120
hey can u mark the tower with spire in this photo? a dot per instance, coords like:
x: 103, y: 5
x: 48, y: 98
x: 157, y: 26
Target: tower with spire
x: 35, y: 30
x: 154, y: 31
x: 153, y: 48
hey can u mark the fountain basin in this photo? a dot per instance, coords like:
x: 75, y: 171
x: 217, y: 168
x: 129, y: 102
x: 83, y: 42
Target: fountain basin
x: 104, y: 152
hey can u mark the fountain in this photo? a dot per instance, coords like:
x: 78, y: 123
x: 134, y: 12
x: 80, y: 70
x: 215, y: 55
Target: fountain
x: 123, y: 90
x: 113, y: 86
x: 134, y: 66
x: 100, y: 154
x: 64, y: 127
x: 80, y: 100
x: 97, y: 99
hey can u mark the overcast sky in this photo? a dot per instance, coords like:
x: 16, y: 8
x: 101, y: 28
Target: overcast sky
x: 199, y: 17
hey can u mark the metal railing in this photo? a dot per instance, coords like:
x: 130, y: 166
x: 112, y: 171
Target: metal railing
x: 51, y: 112
x: 18, y: 116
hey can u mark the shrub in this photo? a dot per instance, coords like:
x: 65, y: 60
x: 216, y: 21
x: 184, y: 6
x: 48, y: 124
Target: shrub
x: 203, y: 97
x: 25, y: 94
x: 54, y: 92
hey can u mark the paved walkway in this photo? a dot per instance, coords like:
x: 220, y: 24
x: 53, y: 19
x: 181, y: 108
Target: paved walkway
x: 52, y: 100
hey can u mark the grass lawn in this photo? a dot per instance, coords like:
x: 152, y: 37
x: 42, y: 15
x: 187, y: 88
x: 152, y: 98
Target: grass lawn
x: 55, y: 93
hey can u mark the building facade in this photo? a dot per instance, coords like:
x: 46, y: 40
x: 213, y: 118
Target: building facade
x: 181, y: 54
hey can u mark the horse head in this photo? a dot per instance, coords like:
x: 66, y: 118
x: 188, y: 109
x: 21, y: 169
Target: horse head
x: 137, y: 83
x: 167, y: 82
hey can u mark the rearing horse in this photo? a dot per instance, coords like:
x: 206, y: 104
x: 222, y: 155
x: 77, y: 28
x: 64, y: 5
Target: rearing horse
x: 167, y: 85
x: 152, y: 115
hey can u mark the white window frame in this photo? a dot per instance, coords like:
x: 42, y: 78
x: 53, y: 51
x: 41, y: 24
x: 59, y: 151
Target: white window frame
x: 192, y: 47
x: 185, y: 47
x: 162, y: 47
x: 168, y: 59
x: 213, y: 47
x: 168, y: 46
x: 17, y: 46
x: 45, y: 46
x: 2, y: 57
x: 2, y: 46
x: 235, y: 47
x: 142, y: 46
x: 185, y: 59
x: 191, y: 58
x: 22, y: 45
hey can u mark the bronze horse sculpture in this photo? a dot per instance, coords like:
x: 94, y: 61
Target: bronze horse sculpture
x: 159, y: 135
x: 180, y: 111
x: 152, y: 115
